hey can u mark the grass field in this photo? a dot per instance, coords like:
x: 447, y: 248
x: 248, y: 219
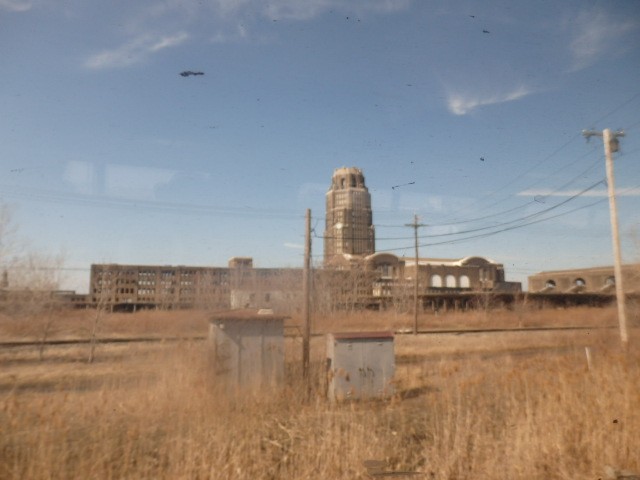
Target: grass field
x: 484, y: 405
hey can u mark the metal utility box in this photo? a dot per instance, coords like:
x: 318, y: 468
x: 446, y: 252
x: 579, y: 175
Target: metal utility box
x: 247, y: 349
x: 360, y: 365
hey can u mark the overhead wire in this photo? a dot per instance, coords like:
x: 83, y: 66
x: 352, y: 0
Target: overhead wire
x: 475, y: 219
x: 513, y: 227
x: 509, y: 226
x: 510, y: 222
x: 489, y: 234
x: 476, y: 202
x: 632, y: 126
x: 565, y: 185
x: 517, y: 220
x: 535, y: 200
x: 619, y: 107
x: 110, y: 202
x: 544, y: 160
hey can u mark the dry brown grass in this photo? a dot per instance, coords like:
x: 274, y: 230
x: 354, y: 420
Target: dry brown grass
x: 76, y: 324
x: 69, y: 324
x: 472, y: 319
x: 477, y: 406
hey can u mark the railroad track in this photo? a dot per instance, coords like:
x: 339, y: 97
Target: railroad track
x: 103, y: 340
x: 290, y: 334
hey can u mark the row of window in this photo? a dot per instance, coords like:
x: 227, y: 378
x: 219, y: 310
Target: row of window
x: 164, y: 281
x: 581, y: 282
x: 116, y: 273
x: 153, y: 273
x: 450, y: 281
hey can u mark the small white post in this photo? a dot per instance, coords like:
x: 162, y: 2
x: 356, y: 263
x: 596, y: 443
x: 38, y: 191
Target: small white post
x: 587, y: 353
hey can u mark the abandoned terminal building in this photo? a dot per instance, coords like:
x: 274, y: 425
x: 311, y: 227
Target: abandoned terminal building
x: 349, y: 244
x: 353, y: 273
x: 586, y: 280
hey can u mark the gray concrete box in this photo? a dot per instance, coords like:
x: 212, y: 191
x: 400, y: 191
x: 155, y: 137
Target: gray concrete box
x: 360, y: 365
x: 247, y: 349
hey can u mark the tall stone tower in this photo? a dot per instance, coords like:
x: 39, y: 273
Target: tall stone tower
x: 349, y: 223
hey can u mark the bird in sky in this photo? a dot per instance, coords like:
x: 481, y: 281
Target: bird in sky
x: 188, y: 73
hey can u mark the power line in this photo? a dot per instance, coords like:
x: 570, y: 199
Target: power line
x: 526, y: 217
x: 506, y: 229
x: 544, y: 160
x: 459, y: 240
x: 593, y: 165
x: 514, y: 227
x: 633, y: 125
x: 518, y: 177
x: 110, y: 202
x: 510, y: 222
x: 623, y: 104
x: 520, y: 206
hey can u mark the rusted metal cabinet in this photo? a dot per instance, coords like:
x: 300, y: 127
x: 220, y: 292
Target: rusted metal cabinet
x: 360, y: 365
x: 247, y: 349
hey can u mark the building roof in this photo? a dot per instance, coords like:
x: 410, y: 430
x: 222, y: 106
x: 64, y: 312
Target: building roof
x: 448, y: 262
x: 343, y: 170
x: 245, y: 314
x: 361, y: 335
x: 602, y: 269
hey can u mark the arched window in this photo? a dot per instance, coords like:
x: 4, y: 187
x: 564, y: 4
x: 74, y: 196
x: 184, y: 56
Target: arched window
x: 579, y: 282
x: 385, y: 270
x: 464, y: 282
x: 550, y: 284
x: 436, y: 281
x: 610, y: 281
x: 451, y: 281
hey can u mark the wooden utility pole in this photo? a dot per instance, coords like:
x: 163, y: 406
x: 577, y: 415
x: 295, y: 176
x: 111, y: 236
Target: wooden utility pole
x: 610, y: 141
x: 306, y: 287
x: 415, y: 225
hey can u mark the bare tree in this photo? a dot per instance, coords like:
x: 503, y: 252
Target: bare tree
x: 29, y: 282
x: 103, y: 297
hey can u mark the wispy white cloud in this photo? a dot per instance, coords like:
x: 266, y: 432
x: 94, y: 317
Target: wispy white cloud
x: 293, y: 245
x: 219, y: 21
x: 238, y: 34
x: 622, y: 192
x: 166, y: 42
x: 15, y: 5
x: 134, y: 51
x: 305, y: 10
x: 464, y: 103
x: 595, y: 34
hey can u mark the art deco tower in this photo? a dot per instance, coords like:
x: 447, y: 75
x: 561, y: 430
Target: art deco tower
x: 349, y: 223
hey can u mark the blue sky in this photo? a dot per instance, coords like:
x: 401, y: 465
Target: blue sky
x: 468, y: 114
